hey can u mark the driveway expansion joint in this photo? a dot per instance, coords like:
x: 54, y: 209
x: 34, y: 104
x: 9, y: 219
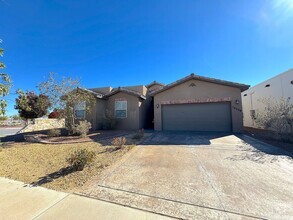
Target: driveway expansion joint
x: 128, y: 206
x: 47, y: 209
x: 169, y: 200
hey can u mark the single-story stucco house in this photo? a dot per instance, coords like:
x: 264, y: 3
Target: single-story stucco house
x: 193, y: 103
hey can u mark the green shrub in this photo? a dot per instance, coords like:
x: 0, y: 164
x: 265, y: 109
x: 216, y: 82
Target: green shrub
x: 80, y: 158
x: 138, y: 135
x: 82, y: 128
x: 54, y: 132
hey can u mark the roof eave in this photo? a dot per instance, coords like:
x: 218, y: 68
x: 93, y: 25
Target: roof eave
x: 154, y: 83
x: 97, y: 95
x: 125, y: 91
x: 242, y: 87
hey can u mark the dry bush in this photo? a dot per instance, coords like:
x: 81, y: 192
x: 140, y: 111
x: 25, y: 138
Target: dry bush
x: 82, y: 128
x: 277, y: 117
x: 54, y: 132
x: 80, y: 158
x: 119, y: 142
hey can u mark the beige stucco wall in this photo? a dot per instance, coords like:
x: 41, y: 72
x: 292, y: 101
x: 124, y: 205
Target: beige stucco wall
x: 154, y: 87
x: 136, y: 111
x: 96, y: 114
x: 141, y: 89
x: 200, y: 91
x: 280, y: 87
x: 100, y: 113
x: 132, y: 122
x: 90, y: 114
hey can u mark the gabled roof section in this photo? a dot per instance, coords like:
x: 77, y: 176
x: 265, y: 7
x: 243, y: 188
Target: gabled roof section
x: 154, y: 83
x: 243, y: 87
x: 96, y: 94
x: 125, y: 90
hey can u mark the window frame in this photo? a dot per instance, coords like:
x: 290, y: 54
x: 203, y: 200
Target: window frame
x: 122, y: 109
x: 80, y: 106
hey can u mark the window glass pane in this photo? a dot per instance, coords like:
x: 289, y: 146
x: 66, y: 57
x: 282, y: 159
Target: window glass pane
x: 120, y: 105
x: 120, y: 113
x: 80, y: 106
x: 80, y: 113
x: 121, y: 109
x: 123, y: 105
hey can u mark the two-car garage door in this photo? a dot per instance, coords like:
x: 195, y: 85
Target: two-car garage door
x: 197, y: 117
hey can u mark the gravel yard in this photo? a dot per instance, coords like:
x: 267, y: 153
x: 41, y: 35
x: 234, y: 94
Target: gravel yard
x: 45, y: 164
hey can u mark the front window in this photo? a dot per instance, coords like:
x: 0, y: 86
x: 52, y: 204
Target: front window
x: 121, y: 109
x: 79, y: 110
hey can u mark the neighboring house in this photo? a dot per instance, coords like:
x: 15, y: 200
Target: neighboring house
x: 276, y: 88
x: 194, y: 103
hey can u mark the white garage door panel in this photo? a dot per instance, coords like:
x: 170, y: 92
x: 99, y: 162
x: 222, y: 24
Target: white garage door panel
x: 197, y: 117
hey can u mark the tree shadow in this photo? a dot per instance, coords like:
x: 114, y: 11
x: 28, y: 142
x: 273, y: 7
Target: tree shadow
x: 105, y: 137
x: 260, y: 152
x: 20, y: 136
x: 264, y: 147
x: 55, y: 175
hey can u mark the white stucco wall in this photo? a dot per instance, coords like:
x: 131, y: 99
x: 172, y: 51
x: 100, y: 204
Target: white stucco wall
x: 280, y: 86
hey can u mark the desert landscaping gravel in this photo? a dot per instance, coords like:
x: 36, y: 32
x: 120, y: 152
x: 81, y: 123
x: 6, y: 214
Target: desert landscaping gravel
x: 45, y: 165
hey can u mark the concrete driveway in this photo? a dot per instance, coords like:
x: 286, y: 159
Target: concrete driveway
x: 206, y: 176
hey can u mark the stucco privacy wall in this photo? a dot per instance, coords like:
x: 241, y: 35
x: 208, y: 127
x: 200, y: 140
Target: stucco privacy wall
x: 40, y: 124
x: 201, y: 90
x: 276, y: 88
x: 132, y: 122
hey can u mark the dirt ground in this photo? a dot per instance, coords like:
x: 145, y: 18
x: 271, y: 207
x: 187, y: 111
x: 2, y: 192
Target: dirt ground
x: 201, y: 176
x: 45, y: 164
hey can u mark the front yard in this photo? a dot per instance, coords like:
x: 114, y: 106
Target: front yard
x: 45, y: 164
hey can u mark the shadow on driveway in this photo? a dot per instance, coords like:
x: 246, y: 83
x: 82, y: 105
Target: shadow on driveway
x: 259, y: 151
x: 182, y: 138
x: 214, y: 139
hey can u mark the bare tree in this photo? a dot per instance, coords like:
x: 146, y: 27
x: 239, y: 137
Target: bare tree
x: 277, y: 116
x: 65, y: 94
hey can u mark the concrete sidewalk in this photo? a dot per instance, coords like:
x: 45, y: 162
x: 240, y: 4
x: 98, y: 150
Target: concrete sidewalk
x: 20, y: 201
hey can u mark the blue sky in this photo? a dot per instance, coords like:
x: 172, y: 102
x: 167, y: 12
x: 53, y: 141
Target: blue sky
x: 118, y: 43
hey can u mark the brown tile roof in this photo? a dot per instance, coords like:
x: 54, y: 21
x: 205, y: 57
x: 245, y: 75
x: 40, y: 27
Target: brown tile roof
x: 125, y: 90
x: 96, y: 94
x: 154, y: 83
x: 243, y: 87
